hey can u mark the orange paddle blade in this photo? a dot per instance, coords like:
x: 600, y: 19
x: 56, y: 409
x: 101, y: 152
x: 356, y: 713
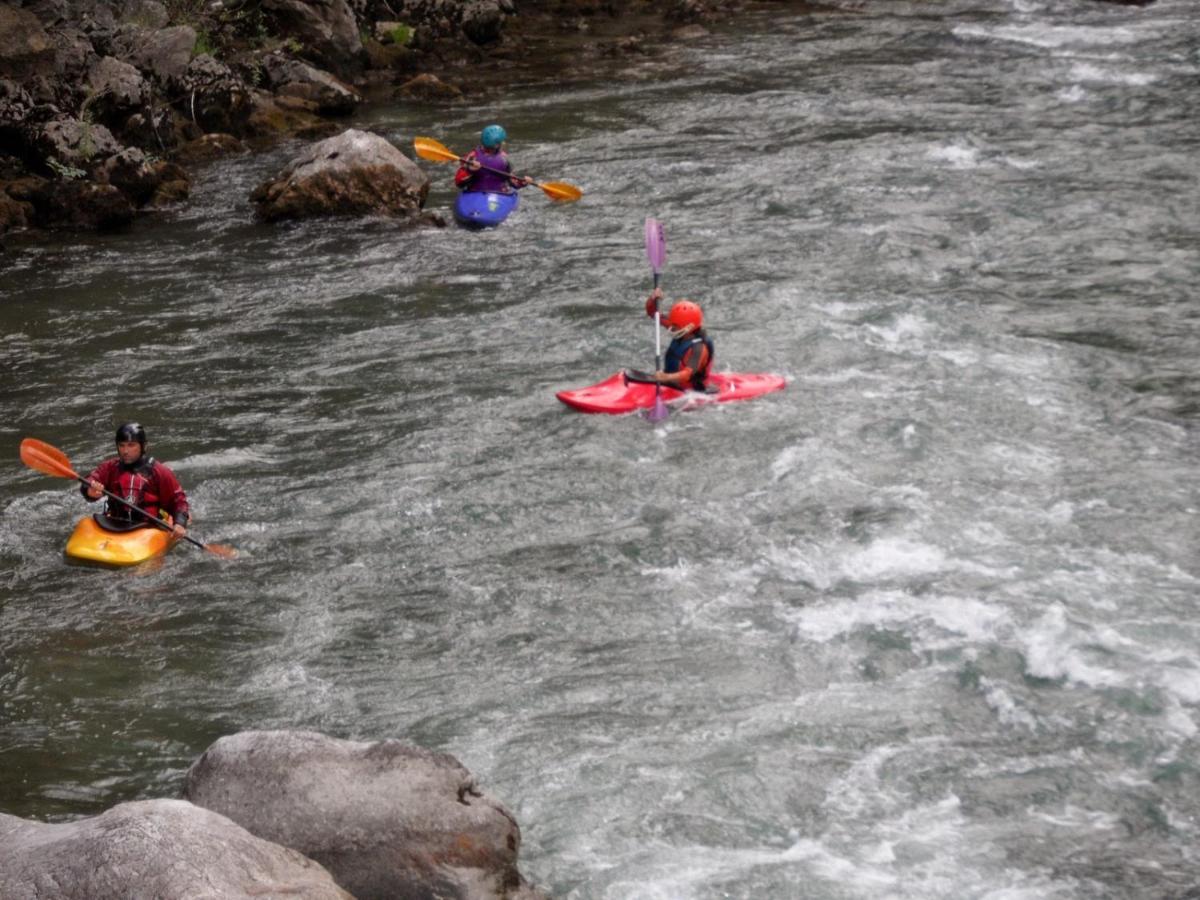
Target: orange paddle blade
x: 561, y: 192
x: 428, y: 148
x: 41, y: 456
x: 222, y: 550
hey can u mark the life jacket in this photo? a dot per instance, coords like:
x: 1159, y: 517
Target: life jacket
x: 678, y: 349
x: 489, y: 182
x: 139, y: 485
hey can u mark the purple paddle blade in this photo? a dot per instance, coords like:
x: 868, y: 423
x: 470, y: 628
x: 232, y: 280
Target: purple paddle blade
x: 656, y: 245
x: 659, y: 410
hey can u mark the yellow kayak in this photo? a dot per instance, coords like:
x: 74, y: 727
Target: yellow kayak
x: 116, y: 544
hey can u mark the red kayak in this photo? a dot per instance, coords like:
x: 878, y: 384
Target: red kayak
x: 628, y: 391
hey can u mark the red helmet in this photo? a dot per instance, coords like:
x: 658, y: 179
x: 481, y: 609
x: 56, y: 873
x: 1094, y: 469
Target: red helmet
x: 683, y: 314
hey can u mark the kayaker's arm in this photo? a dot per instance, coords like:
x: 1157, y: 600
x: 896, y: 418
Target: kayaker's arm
x: 174, y: 501
x: 94, y: 489
x: 467, y: 171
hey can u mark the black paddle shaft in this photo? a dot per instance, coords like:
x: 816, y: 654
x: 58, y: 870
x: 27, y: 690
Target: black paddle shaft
x: 157, y: 521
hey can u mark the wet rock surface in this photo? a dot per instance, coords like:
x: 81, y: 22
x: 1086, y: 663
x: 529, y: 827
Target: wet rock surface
x: 168, y: 849
x: 386, y: 818
x: 83, y: 81
x: 354, y: 173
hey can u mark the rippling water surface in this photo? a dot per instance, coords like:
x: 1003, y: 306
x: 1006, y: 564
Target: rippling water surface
x: 921, y: 626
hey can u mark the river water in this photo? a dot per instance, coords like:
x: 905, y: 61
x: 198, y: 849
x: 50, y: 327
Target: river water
x: 920, y: 626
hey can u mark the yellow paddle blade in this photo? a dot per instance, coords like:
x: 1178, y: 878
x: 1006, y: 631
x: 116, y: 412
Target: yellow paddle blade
x: 428, y: 148
x: 561, y: 192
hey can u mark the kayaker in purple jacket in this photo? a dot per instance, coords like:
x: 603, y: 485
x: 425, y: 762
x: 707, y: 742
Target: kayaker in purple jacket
x: 473, y: 174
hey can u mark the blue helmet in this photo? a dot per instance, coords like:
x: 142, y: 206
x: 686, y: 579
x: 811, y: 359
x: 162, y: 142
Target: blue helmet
x: 493, y: 136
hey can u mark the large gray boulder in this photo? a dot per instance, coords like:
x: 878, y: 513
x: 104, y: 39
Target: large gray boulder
x: 293, y: 78
x: 483, y: 21
x: 145, y: 181
x: 327, y: 30
x: 76, y: 143
x: 166, y: 849
x: 16, y: 106
x: 213, y: 96
x: 146, y: 13
x: 74, y: 205
x: 25, y: 48
x: 163, y: 54
x: 353, y: 173
x: 387, y: 819
x: 116, y: 88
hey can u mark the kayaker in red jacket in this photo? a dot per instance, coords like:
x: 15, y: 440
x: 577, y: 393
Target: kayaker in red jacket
x: 474, y: 174
x: 690, y: 353
x: 140, y: 479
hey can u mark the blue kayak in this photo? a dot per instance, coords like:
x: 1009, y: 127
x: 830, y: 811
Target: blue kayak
x: 477, y: 209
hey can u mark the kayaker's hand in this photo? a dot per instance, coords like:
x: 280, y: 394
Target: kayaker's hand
x: 652, y: 302
x: 95, y: 490
x: 527, y: 180
x: 471, y: 164
x: 179, y: 530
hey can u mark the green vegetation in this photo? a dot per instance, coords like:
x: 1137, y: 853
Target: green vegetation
x: 63, y: 171
x: 87, y: 146
x: 204, y: 44
x: 401, y: 35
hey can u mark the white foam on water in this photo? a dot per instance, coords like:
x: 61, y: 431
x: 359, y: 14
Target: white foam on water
x: 1024, y: 458
x: 843, y: 376
x: 842, y: 309
x: 812, y: 460
x: 1179, y: 721
x: 1071, y: 816
x: 906, y: 331
x: 1049, y: 37
x: 1007, y: 711
x: 226, y: 459
x: 1182, y: 683
x: 971, y: 620
x: 1086, y: 72
x: 683, y: 873
x: 1023, y: 165
x: 959, y: 156
x: 961, y: 358
x: 891, y: 557
x: 1073, y: 94
x: 1052, y: 651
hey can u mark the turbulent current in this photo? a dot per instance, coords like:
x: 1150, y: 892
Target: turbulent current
x: 923, y: 625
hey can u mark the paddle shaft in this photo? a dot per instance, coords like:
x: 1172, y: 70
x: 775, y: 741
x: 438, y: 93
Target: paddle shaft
x: 497, y: 171
x: 428, y: 148
x: 157, y: 521
x: 657, y: 334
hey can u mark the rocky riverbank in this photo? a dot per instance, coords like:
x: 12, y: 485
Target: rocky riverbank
x: 105, y: 104
x: 275, y: 813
